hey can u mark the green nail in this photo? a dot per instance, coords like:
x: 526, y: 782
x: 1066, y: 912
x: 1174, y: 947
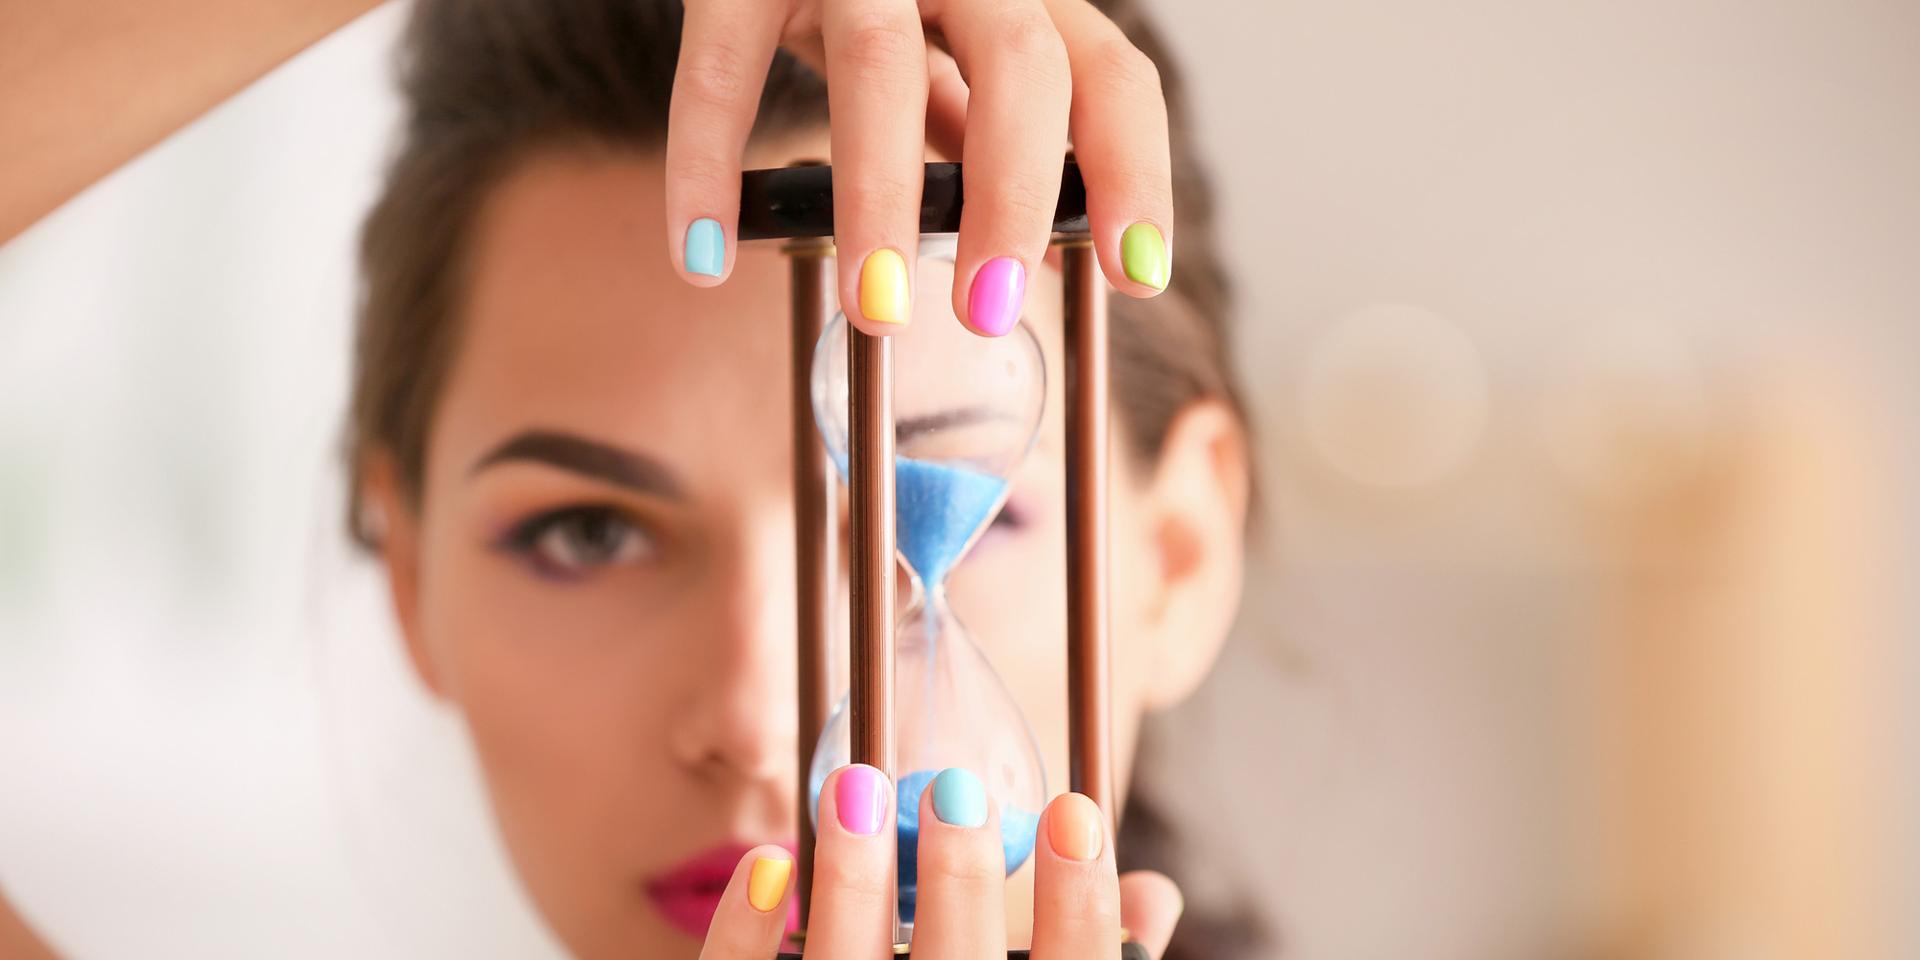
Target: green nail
x: 1143, y: 252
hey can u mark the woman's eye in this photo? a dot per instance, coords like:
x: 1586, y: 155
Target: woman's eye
x: 575, y: 541
x: 1009, y: 519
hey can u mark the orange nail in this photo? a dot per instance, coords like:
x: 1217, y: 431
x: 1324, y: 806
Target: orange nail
x: 1075, y: 827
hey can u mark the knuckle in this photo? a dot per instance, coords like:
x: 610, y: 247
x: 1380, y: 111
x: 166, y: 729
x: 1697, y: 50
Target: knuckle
x: 880, y: 196
x: 702, y: 175
x: 1031, y: 39
x: 715, y: 76
x: 1085, y: 905
x: 880, y: 47
x: 1140, y: 181
x: 1025, y: 200
x: 1120, y: 67
x: 962, y: 864
x: 854, y: 883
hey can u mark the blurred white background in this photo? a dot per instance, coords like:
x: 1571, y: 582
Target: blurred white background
x: 1582, y: 340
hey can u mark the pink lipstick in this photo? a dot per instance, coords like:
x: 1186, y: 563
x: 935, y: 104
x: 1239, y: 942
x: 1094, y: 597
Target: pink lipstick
x: 689, y: 893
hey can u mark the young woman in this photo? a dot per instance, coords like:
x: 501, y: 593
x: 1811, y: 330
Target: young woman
x: 565, y: 452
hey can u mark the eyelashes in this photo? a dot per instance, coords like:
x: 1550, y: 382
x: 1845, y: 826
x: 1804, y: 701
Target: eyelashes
x: 573, y: 543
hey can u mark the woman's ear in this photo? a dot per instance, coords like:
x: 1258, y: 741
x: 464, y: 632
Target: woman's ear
x: 1194, y: 520
x: 397, y: 531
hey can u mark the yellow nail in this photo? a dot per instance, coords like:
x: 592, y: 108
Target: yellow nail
x: 768, y: 882
x: 1075, y: 827
x: 883, y: 287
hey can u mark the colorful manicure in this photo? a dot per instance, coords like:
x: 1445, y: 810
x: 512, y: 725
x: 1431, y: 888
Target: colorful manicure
x: 860, y: 796
x: 767, y: 884
x: 1074, y: 827
x: 993, y: 304
x: 1143, y: 253
x: 883, y: 287
x: 959, y: 798
x: 706, y: 247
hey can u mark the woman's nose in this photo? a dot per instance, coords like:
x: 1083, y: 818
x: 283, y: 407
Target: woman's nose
x: 741, y: 718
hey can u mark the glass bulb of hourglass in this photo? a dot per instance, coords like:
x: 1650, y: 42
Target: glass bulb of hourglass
x: 966, y: 411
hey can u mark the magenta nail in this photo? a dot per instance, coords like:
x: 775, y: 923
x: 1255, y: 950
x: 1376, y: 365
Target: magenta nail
x: 993, y: 305
x: 860, y: 796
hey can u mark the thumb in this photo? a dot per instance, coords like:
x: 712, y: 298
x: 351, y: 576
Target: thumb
x: 1150, y: 906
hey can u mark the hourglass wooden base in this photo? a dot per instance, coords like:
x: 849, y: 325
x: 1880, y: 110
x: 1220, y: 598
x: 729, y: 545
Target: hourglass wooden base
x: 796, y: 204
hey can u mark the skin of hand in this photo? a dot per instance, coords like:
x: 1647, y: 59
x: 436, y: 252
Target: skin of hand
x: 1079, y: 904
x: 18, y: 940
x: 86, y: 85
x: 1003, y: 85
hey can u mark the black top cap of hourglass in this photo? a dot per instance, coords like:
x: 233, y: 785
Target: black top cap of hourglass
x: 797, y: 201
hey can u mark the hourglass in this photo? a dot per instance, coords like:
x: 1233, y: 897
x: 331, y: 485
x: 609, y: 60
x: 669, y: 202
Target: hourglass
x: 946, y: 474
x: 967, y: 410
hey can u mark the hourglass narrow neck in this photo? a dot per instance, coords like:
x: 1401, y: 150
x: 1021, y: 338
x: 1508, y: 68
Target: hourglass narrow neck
x: 928, y: 596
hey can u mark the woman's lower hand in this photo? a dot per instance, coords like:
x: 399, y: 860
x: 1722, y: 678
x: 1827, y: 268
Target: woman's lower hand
x: 1079, y: 903
x: 999, y: 84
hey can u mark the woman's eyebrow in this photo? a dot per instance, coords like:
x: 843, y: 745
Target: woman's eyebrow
x: 947, y: 419
x: 602, y: 461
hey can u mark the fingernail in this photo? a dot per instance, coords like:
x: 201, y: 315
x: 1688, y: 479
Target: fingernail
x: 768, y: 882
x: 959, y: 798
x: 1143, y: 253
x: 993, y: 304
x: 883, y: 287
x: 706, y: 247
x: 1074, y: 827
x: 861, y: 798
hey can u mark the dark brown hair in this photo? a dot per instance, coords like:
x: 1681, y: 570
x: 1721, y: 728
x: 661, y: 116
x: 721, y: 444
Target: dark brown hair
x: 487, y: 82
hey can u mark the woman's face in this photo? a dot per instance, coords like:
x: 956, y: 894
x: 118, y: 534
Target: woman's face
x: 600, y: 576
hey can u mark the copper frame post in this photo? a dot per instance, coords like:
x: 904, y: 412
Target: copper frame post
x: 871, y: 542
x: 811, y: 273
x: 1089, y: 653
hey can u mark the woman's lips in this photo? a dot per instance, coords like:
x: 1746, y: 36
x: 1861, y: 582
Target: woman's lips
x: 688, y: 894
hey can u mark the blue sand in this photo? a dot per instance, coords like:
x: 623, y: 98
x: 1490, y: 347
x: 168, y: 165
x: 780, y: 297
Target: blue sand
x: 937, y: 510
x: 1017, y: 831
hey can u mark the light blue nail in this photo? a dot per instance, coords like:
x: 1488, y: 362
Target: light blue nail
x: 706, y: 247
x: 959, y: 798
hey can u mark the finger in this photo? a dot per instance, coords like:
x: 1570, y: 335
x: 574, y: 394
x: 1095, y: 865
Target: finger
x: 877, y: 97
x: 726, y: 48
x: 1119, y: 124
x: 1150, y: 907
x: 960, y: 912
x: 752, y: 914
x: 1019, y: 90
x: 1076, y: 892
x: 946, y: 92
x: 946, y: 104
x: 853, y: 865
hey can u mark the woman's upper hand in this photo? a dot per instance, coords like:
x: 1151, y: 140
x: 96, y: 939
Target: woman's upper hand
x: 1001, y: 84
x: 1078, y: 901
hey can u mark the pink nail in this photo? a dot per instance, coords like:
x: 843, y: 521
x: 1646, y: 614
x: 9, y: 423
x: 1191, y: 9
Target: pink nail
x: 993, y: 305
x: 861, y: 798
